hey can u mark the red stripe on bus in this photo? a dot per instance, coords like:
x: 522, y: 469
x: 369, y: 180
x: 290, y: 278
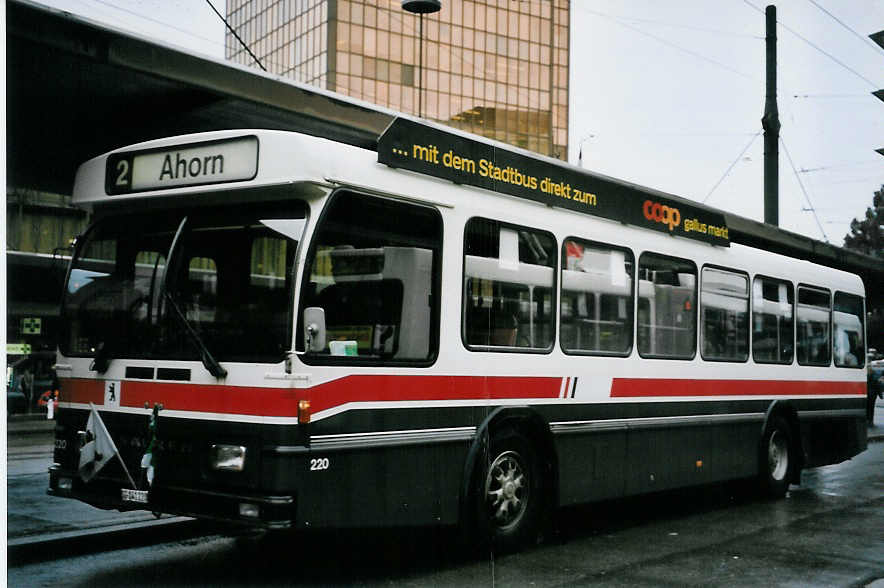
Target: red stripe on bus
x: 189, y: 397
x: 83, y: 391
x: 650, y: 387
x: 214, y: 398
x: 393, y: 388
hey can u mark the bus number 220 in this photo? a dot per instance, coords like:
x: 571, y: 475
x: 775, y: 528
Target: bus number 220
x: 321, y: 463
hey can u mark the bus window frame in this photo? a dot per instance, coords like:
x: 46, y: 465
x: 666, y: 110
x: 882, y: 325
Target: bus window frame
x: 828, y: 292
x: 436, y: 285
x: 696, y: 314
x: 794, y: 291
x: 554, y: 302
x: 701, y: 327
x: 633, y: 297
x: 861, y: 360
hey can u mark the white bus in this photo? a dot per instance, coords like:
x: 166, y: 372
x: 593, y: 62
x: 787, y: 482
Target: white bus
x: 291, y: 332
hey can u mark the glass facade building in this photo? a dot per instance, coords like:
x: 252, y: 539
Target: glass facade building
x: 497, y: 68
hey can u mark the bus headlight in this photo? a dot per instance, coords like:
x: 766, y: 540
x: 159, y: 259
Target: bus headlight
x: 228, y: 458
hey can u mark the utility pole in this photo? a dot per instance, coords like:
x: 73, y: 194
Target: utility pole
x: 771, y: 124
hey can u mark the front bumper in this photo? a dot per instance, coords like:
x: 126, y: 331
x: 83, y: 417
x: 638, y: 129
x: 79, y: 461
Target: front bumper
x: 266, y: 511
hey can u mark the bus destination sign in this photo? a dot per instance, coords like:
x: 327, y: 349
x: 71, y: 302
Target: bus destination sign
x: 410, y: 145
x: 212, y: 162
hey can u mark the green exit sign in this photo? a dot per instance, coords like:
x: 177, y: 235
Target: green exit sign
x: 18, y: 349
x: 30, y: 326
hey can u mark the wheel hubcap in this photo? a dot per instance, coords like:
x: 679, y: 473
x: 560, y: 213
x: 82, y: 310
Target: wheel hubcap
x: 506, y: 490
x: 777, y: 456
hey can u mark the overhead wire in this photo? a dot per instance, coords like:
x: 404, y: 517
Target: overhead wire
x: 671, y: 24
x: 840, y: 63
x: 731, y: 166
x: 864, y: 96
x: 838, y: 166
x: 622, y: 21
x: 673, y: 45
x: 818, y: 48
x: 804, y: 190
x: 865, y: 40
x: 154, y: 20
x: 234, y: 33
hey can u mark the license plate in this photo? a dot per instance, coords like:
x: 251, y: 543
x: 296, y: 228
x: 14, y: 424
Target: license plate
x: 134, y: 495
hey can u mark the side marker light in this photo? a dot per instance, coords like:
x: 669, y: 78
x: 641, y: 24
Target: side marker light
x: 303, y: 412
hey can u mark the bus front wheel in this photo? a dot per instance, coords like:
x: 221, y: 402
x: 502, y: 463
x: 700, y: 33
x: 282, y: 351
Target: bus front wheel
x: 508, y: 492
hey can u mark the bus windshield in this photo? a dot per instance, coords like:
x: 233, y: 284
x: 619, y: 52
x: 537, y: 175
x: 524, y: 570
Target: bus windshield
x: 176, y: 284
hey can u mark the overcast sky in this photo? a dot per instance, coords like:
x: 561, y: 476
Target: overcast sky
x: 670, y: 95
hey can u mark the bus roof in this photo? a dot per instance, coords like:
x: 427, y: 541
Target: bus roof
x: 183, y: 165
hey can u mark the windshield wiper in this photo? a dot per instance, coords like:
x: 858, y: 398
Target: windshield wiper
x: 102, y: 358
x: 205, y: 355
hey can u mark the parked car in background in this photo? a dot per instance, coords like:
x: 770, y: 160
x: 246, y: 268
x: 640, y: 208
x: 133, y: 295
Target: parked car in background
x: 15, y: 399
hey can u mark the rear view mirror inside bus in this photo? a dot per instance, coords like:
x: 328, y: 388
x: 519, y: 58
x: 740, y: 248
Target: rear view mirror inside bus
x: 314, y: 329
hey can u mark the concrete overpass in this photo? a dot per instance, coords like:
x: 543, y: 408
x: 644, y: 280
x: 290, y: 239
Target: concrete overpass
x: 76, y: 89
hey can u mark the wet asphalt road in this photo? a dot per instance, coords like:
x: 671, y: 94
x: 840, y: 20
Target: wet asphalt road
x: 828, y: 532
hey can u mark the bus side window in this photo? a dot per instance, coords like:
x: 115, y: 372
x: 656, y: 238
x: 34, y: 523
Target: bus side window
x: 814, y: 317
x: 849, y: 344
x: 373, y: 269
x: 773, y: 333
x: 597, y: 298
x: 724, y: 304
x: 508, y: 287
x: 667, y: 307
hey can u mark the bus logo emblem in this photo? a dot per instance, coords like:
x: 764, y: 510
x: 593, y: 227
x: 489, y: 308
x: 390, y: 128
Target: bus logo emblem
x: 112, y: 394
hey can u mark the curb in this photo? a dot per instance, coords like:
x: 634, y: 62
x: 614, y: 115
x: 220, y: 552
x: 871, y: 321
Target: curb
x: 28, y: 416
x: 30, y: 540
x: 29, y: 426
x: 26, y: 550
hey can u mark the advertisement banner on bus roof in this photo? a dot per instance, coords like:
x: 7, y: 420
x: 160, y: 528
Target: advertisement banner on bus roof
x: 410, y: 145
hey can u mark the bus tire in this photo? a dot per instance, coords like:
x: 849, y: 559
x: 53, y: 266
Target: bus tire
x: 777, y: 458
x: 509, y: 497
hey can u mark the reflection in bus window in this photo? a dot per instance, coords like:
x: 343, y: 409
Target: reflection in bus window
x: 372, y: 271
x: 597, y: 299
x: 508, y: 286
x: 667, y: 291
x: 108, y: 299
x: 772, y: 321
x: 201, y: 289
x: 813, y: 315
x: 121, y: 299
x: 848, y: 342
x: 724, y: 300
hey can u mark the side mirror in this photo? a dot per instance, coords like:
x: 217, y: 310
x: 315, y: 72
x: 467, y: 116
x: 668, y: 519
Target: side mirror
x: 314, y: 329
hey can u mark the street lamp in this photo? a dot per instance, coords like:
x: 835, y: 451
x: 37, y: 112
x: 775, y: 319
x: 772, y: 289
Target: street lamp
x: 585, y: 138
x: 421, y: 7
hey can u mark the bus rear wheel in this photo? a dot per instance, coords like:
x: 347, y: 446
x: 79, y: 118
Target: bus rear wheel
x: 508, y: 493
x: 776, y: 458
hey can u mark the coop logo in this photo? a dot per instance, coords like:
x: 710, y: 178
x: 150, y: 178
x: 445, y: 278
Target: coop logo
x: 660, y: 213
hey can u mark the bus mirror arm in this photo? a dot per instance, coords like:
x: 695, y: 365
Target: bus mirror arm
x: 314, y: 329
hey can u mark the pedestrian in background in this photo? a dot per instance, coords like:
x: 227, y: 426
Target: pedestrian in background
x: 874, y: 391
x: 27, y: 387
